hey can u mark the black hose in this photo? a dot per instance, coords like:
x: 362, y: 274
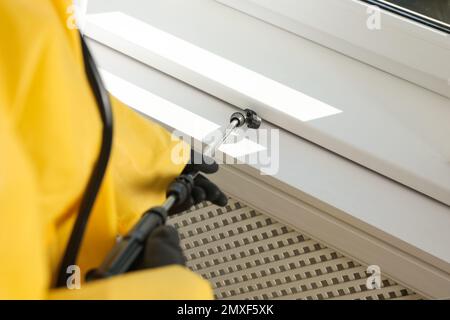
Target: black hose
x: 95, y: 181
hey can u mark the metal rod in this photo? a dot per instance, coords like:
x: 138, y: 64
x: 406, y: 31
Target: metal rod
x: 170, y: 201
x: 125, y: 252
x: 211, y: 149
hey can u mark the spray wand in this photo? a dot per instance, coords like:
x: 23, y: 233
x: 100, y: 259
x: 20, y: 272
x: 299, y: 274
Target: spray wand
x: 124, y: 254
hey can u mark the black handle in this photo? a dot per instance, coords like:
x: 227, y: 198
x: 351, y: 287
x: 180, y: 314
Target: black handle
x: 125, y: 252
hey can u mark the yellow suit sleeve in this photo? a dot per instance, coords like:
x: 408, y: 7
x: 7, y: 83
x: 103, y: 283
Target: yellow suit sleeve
x: 143, y: 152
x: 23, y: 272
x: 49, y: 141
x: 173, y: 282
x: 145, y: 160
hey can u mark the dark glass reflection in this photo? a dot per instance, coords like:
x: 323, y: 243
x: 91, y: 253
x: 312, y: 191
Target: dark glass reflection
x: 435, y: 9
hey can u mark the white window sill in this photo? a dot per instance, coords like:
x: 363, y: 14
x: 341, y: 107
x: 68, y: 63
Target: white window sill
x: 394, y: 44
x: 382, y: 122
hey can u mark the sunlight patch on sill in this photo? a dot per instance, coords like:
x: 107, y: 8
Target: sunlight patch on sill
x: 173, y: 115
x: 252, y: 85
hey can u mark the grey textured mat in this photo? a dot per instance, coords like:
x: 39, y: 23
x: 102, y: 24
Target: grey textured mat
x: 247, y: 255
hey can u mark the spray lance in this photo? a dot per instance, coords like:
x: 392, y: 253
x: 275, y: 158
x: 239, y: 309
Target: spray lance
x: 126, y: 251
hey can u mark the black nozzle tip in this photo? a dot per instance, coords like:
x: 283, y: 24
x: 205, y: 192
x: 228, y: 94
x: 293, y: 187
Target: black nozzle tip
x: 252, y: 119
x: 249, y: 117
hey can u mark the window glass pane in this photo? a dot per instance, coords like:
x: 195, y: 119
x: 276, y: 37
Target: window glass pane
x: 435, y: 9
x: 433, y: 13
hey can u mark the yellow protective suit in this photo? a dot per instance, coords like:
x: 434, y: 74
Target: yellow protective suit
x: 50, y: 135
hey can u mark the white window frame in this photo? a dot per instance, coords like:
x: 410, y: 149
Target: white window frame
x: 424, y: 57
